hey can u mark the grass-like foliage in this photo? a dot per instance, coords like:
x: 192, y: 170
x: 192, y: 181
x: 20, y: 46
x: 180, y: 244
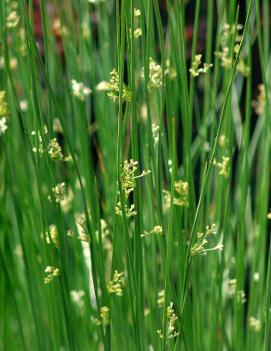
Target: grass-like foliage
x: 135, y: 175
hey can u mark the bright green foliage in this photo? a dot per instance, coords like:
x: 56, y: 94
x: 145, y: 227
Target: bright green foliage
x: 135, y: 175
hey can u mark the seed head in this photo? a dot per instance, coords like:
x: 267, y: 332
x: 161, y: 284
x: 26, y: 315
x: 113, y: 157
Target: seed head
x: 3, y: 125
x: 155, y: 75
x: 51, y: 272
x: 137, y: 12
x: 3, y: 104
x: 104, y: 315
x: 59, y: 192
x: 241, y: 297
x: 161, y: 298
x: 77, y: 297
x: 12, y: 20
x: 223, y: 166
x: 116, y: 285
x: 196, y: 70
x: 51, y: 235
x: 156, y: 230
x: 259, y: 103
x: 199, y: 248
x: 79, y: 90
x: 182, y: 190
x: 113, y: 88
x: 137, y: 32
x: 171, y: 324
x: 54, y: 150
x: 255, y: 324
x: 128, y: 176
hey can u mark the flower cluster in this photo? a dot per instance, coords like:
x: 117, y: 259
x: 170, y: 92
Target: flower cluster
x: 232, y: 32
x: 128, y: 177
x: 79, y: 90
x: 155, y: 133
x: 3, y: 112
x: 225, y: 58
x: 81, y: 228
x: 128, y: 184
x: 40, y: 147
x: 103, y: 318
x: 51, y: 272
x: 241, y: 297
x: 155, y: 75
x: 12, y: 20
x: 59, y: 192
x: 51, y: 235
x: 54, y: 150
x: 104, y: 314
x: 77, y: 297
x: 24, y: 105
x: 156, y: 230
x: 196, y: 70
x: 13, y: 63
x: 58, y: 28
x: 3, y: 125
x: 113, y: 88
x: 222, y: 141
x: 181, y: 194
x: 102, y: 86
x: 137, y: 12
x: 259, y: 103
x: 137, y: 31
x: 227, y: 32
x: 171, y: 323
x: 255, y: 324
x: 223, y: 166
x: 161, y: 298
x: 116, y: 284
x: 231, y: 289
x: 199, y: 248
x: 129, y: 211
x: 182, y: 190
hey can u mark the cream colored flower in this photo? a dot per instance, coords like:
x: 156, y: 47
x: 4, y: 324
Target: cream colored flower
x: 12, y: 20
x: 51, y: 272
x: 79, y: 90
x: 3, y: 125
x: 116, y: 285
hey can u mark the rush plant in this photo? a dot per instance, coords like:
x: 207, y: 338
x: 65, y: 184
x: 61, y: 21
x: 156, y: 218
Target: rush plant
x: 135, y: 175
